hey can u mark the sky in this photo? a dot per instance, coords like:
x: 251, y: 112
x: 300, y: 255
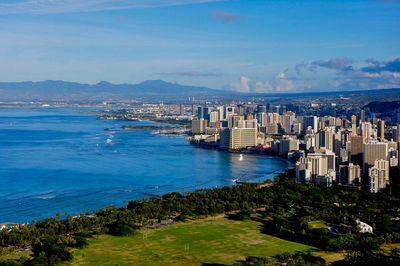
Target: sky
x: 248, y: 46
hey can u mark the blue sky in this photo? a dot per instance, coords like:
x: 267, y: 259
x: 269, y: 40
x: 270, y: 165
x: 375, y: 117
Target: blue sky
x: 256, y: 46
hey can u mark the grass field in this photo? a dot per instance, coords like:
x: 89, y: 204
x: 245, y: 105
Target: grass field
x: 211, y: 240
x: 318, y: 224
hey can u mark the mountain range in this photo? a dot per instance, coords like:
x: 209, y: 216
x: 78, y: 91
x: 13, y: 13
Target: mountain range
x: 63, y: 90
x: 55, y: 90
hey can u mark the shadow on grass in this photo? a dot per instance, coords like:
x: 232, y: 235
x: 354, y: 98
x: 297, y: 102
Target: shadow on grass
x: 241, y: 216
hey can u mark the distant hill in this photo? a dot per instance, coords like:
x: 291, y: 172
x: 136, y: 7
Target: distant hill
x: 382, y: 107
x: 150, y: 89
x: 56, y: 90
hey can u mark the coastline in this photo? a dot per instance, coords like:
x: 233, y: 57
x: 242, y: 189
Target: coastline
x: 243, y: 151
x: 118, y: 192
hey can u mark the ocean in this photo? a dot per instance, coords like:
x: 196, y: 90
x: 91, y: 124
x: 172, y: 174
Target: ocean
x: 63, y: 160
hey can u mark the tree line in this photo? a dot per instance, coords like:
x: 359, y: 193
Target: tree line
x: 288, y: 208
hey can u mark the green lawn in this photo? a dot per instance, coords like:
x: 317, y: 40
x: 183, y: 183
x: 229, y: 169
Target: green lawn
x: 318, y: 224
x: 211, y: 240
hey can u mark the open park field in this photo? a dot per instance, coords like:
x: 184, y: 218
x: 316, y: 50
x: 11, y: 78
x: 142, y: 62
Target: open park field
x: 210, y: 240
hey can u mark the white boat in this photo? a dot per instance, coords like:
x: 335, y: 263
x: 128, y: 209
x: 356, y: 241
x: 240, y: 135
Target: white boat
x: 241, y: 157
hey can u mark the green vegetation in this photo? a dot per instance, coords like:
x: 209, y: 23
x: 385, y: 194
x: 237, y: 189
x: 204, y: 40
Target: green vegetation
x: 210, y: 240
x: 173, y: 121
x: 291, y: 211
x: 121, y: 228
x: 318, y: 224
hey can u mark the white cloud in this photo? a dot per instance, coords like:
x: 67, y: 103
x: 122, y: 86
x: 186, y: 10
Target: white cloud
x: 282, y: 84
x: 263, y: 87
x: 371, y: 75
x: 278, y: 84
x: 242, y: 85
x: 63, y: 6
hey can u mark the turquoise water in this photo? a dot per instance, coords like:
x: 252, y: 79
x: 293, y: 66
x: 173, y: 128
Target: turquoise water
x: 62, y: 160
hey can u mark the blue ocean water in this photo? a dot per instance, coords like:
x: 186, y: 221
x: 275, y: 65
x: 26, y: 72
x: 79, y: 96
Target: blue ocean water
x: 62, y: 160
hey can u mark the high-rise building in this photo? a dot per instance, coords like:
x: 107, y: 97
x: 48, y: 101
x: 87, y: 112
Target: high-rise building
x: 396, y: 133
x: 249, y: 116
x: 271, y: 129
x: 330, y: 157
x: 214, y: 116
x: 354, y: 124
x: 233, y: 120
x: 325, y: 138
x: 203, y: 113
x: 199, y: 126
x: 236, y: 138
x: 393, y: 157
x: 247, y: 123
x: 362, y: 116
x: 383, y: 164
x: 220, y: 110
x: 356, y: 149
x: 317, y: 165
x: 206, y: 114
x: 337, y: 143
x: 288, y: 144
x: 381, y: 129
x: 287, y: 120
x: 229, y: 111
x: 374, y: 151
x: 303, y: 171
x: 310, y: 121
x: 200, y: 112
x: 181, y: 109
x: 366, y: 130
x: 276, y: 109
x: 193, y: 109
x: 310, y: 141
x: 297, y: 128
x: 376, y: 179
x: 349, y: 174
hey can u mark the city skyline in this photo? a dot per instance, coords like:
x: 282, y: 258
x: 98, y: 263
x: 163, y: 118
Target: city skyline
x: 282, y: 46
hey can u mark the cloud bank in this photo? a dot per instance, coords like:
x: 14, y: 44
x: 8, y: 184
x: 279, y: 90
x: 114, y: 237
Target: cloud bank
x: 335, y: 74
x: 64, y: 6
x: 376, y: 66
x: 242, y: 85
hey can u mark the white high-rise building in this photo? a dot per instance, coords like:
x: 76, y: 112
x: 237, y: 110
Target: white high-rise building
x: 247, y: 123
x: 236, y: 138
x: 376, y: 179
x: 214, y: 116
x: 367, y: 131
x: 220, y: 110
x: 330, y: 157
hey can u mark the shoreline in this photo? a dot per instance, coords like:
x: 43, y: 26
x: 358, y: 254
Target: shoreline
x: 236, y: 181
x: 258, y: 177
x: 244, y: 151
